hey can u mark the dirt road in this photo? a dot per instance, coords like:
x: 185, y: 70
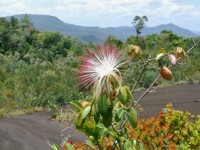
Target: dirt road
x: 31, y: 132
x: 34, y: 132
x: 183, y: 97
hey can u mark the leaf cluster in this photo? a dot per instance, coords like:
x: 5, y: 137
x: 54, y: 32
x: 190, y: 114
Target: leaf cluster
x: 172, y: 129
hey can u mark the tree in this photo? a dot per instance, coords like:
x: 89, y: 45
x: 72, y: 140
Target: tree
x: 26, y: 22
x: 4, y: 35
x: 14, y: 22
x: 139, y: 23
x: 113, y: 41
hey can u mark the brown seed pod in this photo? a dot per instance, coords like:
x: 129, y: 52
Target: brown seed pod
x: 166, y: 73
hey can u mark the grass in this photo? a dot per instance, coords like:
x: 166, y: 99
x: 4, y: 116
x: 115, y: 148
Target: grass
x: 65, y: 115
x: 17, y: 112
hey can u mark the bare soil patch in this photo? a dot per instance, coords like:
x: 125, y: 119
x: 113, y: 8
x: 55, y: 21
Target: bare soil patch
x: 31, y: 132
x: 183, y: 97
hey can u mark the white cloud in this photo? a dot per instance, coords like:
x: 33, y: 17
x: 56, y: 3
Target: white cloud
x: 107, y: 12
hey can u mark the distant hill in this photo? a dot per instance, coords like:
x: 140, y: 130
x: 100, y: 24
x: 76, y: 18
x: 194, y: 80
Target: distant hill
x: 97, y: 34
x: 197, y: 32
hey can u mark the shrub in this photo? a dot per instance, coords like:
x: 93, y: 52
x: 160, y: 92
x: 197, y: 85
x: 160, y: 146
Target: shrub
x: 109, y: 118
x: 172, y: 129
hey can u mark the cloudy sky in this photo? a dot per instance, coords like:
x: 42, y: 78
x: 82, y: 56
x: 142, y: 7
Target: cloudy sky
x: 110, y: 13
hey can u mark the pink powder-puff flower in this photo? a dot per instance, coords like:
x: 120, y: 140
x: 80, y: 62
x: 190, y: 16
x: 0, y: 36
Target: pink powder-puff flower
x: 101, y: 69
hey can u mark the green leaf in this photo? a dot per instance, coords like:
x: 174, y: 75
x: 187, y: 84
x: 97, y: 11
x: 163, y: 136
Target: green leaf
x: 89, y: 127
x: 129, y: 146
x: 114, y: 134
x: 119, y: 115
x: 102, y: 105
x: 140, y: 146
x: 124, y: 94
x: 132, y: 117
x: 134, y: 142
x: 70, y: 146
x: 85, y: 112
x: 101, y: 126
x: 96, y: 117
x: 78, y: 121
x: 128, y: 92
x: 55, y: 147
x: 107, y: 119
x: 90, y: 144
x: 76, y: 104
x: 103, y: 132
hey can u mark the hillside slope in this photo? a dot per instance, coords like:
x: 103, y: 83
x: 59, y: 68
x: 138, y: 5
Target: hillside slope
x: 97, y: 34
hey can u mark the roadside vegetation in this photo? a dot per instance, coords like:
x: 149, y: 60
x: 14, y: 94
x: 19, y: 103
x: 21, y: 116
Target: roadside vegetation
x: 39, y: 70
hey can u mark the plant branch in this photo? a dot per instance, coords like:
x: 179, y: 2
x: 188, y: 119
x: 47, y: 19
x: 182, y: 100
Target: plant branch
x: 138, y: 79
x: 194, y: 45
x: 118, y: 139
x: 123, y: 124
x: 99, y: 146
x: 146, y: 91
x: 145, y: 64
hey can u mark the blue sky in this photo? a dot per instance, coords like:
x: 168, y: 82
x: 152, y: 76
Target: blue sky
x: 110, y: 13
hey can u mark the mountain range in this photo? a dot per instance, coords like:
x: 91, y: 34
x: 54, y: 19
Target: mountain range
x: 97, y: 34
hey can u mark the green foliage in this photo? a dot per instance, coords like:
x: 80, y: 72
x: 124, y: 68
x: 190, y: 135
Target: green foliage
x: 30, y: 85
x: 132, y: 117
x: 150, y: 44
x: 109, y: 120
x: 113, y: 41
x: 36, y: 68
x: 105, y: 117
x: 102, y: 105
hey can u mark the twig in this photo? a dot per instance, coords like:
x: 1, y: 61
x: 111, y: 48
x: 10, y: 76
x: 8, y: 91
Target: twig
x: 145, y: 64
x: 147, y: 91
x: 138, y: 79
x: 153, y: 90
x: 123, y: 124
x: 117, y: 139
